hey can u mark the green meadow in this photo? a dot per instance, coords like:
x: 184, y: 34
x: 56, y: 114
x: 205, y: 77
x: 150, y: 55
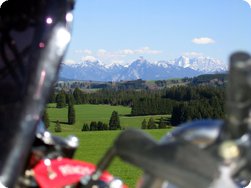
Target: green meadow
x: 93, y: 144
x: 86, y: 113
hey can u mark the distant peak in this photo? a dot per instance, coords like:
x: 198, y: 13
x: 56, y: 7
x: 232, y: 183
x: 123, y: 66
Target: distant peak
x: 183, y: 61
x: 114, y: 65
x: 91, y: 68
x: 141, y: 58
x: 183, y: 57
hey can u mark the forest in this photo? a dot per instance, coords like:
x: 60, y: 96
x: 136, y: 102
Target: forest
x: 182, y: 102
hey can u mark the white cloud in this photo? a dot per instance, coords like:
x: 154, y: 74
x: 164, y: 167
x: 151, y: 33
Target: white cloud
x: 147, y: 50
x: 69, y: 62
x: 101, y: 52
x: 192, y: 54
x: 87, y: 52
x: 127, y: 52
x: 141, y: 51
x: 203, y: 40
x: 118, y: 56
x: 89, y: 58
x: 120, y: 53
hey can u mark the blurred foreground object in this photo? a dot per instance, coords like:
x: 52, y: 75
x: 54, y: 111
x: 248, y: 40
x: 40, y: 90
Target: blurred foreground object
x: 34, y: 35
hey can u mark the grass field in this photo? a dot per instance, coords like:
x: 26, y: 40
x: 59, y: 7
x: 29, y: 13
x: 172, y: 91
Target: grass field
x: 87, y: 113
x: 93, y: 144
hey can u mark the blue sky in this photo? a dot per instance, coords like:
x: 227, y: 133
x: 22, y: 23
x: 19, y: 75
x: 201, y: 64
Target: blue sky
x: 119, y: 31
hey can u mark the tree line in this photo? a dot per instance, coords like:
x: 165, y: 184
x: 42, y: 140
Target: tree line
x: 114, y: 123
x: 104, y: 96
x: 206, y: 79
x: 152, y: 124
x: 196, y: 103
x: 182, y: 102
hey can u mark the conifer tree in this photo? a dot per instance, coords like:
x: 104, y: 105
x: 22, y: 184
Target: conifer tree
x: 46, y: 120
x: 52, y: 98
x: 162, y: 124
x: 58, y: 127
x: 151, y: 124
x: 144, y: 124
x: 61, y: 99
x: 70, y: 99
x: 114, y: 122
x: 78, y: 94
x: 93, y: 126
x: 85, y: 127
x: 105, y: 126
x: 100, y: 126
x: 71, y: 114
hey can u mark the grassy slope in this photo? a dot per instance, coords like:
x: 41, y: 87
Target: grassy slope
x: 87, y: 113
x: 94, y: 144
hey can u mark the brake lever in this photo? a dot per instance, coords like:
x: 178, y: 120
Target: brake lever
x: 179, y: 162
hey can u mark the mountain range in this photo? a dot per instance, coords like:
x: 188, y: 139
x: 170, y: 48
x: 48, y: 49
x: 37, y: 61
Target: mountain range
x: 183, y: 66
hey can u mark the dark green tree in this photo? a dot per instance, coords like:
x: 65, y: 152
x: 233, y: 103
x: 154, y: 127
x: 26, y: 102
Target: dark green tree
x: 70, y: 98
x: 78, y: 95
x: 175, y: 118
x: 162, y: 123
x: 93, y: 126
x: 144, y: 124
x: 58, y: 127
x: 52, y: 98
x: 71, y: 114
x: 100, y: 126
x: 151, y: 124
x: 85, y: 127
x: 180, y: 114
x: 61, y: 99
x: 105, y: 126
x: 114, y: 122
x: 46, y: 120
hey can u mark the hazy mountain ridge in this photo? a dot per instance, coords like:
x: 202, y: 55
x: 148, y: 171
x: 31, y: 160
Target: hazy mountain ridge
x: 142, y: 69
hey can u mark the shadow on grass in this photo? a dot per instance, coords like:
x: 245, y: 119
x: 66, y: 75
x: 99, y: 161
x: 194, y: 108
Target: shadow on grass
x: 56, y: 107
x: 61, y: 122
x: 127, y: 115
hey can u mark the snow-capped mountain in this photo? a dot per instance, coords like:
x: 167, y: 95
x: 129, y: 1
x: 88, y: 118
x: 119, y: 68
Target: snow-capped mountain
x: 93, y: 69
x: 204, y: 64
